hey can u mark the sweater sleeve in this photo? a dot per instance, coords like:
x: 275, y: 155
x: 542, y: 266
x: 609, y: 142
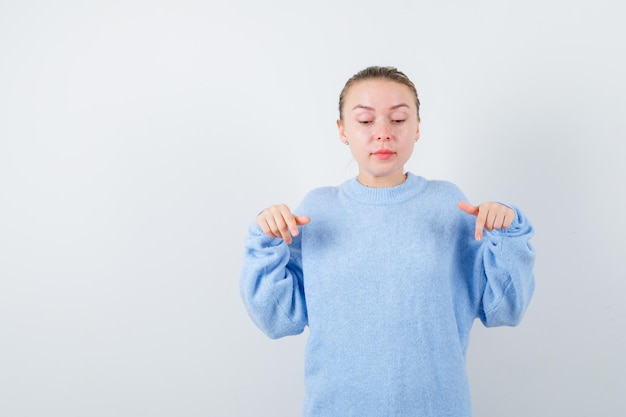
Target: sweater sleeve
x: 271, y: 285
x: 507, y: 268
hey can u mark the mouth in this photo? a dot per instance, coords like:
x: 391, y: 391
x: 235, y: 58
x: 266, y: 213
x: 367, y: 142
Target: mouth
x: 383, y: 154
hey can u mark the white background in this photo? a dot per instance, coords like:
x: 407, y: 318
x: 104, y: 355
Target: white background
x: 138, y: 139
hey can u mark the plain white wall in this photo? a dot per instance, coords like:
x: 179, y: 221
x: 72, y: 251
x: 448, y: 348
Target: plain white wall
x: 138, y: 139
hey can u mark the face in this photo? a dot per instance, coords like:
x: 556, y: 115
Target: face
x: 381, y: 126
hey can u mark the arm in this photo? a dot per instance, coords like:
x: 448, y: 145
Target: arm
x: 271, y: 283
x: 508, y: 260
x: 504, y: 266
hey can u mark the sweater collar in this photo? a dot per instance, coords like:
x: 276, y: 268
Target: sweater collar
x: 412, y: 186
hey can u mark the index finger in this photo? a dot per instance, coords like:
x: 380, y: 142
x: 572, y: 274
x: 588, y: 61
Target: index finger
x: 291, y: 221
x: 481, y: 218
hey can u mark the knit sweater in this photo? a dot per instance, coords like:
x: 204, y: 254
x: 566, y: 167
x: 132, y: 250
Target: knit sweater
x: 389, y: 282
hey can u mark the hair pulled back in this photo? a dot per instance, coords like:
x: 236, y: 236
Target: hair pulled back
x: 376, y: 72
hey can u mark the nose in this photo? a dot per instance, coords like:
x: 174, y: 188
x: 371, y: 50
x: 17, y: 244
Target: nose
x: 383, y: 133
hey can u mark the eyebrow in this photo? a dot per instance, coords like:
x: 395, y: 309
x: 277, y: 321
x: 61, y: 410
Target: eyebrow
x: 361, y: 106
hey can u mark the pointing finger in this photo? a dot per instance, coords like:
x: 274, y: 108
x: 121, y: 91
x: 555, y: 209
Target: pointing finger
x: 282, y: 231
x: 290, y: 224
x: 481, y: 218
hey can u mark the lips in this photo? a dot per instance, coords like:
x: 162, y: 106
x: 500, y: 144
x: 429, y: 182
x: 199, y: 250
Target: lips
x: 383, y: 154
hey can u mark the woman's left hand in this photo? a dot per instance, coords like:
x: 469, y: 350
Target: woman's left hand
x: 489, y: 216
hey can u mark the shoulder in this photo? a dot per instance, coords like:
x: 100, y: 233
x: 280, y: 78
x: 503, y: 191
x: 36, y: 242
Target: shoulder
x: 443, y: 186
x: 319, y: 198
x: 442, y: 197
x: 321, y: 194
x: 443, y: 190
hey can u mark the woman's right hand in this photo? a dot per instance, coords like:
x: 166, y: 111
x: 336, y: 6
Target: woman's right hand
x: 278, y: 221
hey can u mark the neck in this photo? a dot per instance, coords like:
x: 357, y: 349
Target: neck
x: 382, y: 181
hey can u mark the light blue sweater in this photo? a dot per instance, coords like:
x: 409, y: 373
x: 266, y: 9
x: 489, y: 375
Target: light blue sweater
x: 389, y: 282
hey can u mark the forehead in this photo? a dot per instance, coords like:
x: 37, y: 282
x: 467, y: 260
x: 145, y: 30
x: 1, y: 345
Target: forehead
x: 383, y: 91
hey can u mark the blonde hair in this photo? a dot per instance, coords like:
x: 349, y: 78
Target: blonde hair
x: 375, y: 72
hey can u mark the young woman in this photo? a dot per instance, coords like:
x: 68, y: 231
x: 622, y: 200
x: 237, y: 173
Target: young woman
x: 388, y: 270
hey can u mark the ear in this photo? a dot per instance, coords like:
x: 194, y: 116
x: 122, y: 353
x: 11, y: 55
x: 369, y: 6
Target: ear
x: 342, y: 132
x: 417, y: 132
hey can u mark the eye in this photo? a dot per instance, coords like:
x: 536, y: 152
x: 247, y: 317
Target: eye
x: 365, y: 122
x: 398, y: 121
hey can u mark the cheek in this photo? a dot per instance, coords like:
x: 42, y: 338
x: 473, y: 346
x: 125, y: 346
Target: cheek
x: 356, y: 132
x: 403, y: 133
x: 407, y: 130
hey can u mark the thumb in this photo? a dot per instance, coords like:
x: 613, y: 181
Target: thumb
x: 468, y: 208
x: 300, y: 220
